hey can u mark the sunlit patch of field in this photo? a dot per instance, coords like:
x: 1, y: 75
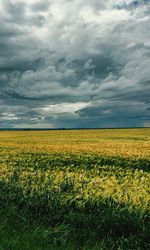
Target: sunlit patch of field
x: 75, y: 189
x: 111, y: 142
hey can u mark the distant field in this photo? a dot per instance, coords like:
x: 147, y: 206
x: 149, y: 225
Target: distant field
x: 123, y: 142
x: 75, y: 189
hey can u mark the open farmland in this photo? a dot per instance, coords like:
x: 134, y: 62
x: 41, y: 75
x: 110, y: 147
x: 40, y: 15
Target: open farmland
x: 75, y: 189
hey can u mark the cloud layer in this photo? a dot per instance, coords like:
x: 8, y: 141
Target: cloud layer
x: 74, y: 63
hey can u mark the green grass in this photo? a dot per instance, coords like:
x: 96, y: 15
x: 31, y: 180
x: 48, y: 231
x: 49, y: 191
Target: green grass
x: 81, y: 201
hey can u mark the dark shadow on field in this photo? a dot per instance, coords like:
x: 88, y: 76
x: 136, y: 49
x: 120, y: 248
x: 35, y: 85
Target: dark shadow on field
x: 89, y: 161
x: 80, y: 221
x: 75, y: 161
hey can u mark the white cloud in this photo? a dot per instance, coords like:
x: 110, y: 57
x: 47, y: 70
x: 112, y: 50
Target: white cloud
x: 64, y: 107
x: 9, y: 117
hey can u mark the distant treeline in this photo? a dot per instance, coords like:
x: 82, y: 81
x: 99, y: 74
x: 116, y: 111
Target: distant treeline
x: 31, y: 129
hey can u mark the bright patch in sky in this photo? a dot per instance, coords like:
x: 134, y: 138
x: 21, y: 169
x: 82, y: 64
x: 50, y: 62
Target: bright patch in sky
x: 64, y: 107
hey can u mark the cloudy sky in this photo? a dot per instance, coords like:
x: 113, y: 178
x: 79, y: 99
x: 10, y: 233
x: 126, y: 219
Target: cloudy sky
x: 74, y: 63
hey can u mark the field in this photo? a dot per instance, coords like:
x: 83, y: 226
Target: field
x: 75, y: 189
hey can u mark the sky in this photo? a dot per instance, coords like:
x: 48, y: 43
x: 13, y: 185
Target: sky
x: 74, y: 63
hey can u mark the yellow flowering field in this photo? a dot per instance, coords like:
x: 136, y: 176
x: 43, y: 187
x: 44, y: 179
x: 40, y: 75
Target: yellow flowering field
x: 123, y: 142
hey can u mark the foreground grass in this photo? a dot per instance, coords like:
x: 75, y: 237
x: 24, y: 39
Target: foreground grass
x: 61, y: 198
x: 73, y: 200
x: 18, y: 233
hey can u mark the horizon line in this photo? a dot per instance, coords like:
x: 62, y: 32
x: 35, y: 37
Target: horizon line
x: 28, y: 128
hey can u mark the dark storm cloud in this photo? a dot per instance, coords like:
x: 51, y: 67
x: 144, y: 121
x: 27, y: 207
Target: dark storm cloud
x: 74, y: 63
